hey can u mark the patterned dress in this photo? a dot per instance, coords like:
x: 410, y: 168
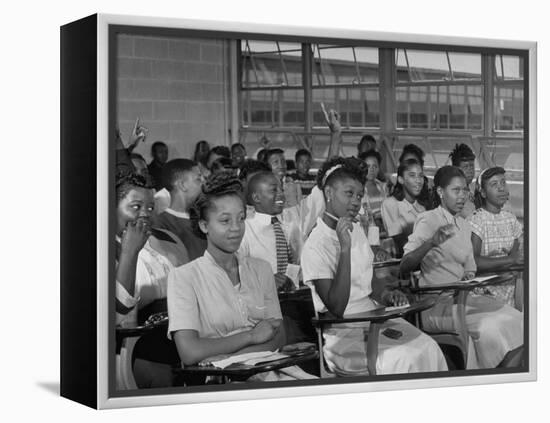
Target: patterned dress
x: 497, y: 232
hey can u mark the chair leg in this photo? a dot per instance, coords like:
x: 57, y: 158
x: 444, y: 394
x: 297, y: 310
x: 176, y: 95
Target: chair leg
x: 371, y: 340
x: 124, y: 369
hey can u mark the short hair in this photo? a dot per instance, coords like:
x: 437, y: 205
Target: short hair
x: 371, y: 153
x: 461, y: 153
x: 272, y: 152
x: 365, y: 139
x: 126, y: 181
x: 237, y: 145
x: 443, y: 177
x: 216, y: 186
x: 174, y: 170
x: 202, y: 148
x: 156, y: 145
x: 301, y: 152
x: 222, y: 163
x: 349, y: 167
x: 415, y: 150
x: 484, y: 176
x: 250, y: 167
x: 254, y: 181
x: 219, y: 150
x: 261, y: 155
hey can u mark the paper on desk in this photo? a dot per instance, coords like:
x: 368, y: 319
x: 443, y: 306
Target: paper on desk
x: 482, y: 279
x: 249, y: 358
x: 392, y: 308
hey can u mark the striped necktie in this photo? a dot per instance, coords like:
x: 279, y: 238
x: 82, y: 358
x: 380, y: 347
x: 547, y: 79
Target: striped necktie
x: 283, y: 252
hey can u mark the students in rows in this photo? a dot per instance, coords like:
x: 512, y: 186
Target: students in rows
x: 441, y: 245
x: 337, y: 265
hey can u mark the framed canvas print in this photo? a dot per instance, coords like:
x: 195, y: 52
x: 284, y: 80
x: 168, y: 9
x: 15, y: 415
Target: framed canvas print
x: 266, y: 211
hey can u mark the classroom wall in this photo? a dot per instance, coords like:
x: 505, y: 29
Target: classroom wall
x: 177, y: 87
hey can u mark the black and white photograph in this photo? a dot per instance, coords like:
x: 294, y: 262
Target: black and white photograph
x: 291, y: 210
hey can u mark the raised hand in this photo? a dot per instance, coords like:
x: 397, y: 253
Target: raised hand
x: 139, y: 133
x: 443, y: 234
x: 332, y: 118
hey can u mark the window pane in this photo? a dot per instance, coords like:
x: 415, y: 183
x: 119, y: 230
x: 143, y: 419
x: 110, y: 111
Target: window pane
x: 456, y: 107
x: 418, y: 65
x: 258, y: 108
x: 412, y: 107
x: 344, y: 65
x: 475, y: 107
x: 508, y: 108
x: 508, y: 67
x: 268, y: 63
x: 358, y: 107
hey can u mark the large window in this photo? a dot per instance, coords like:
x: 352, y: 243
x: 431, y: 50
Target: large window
x: 438, y: 90
x: 508, y: 93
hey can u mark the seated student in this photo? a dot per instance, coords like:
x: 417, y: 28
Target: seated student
x: 337, y: 265
x: 275, y: 158
x: 271, y: 235
x: 184, y: 182
x: 223, y: 164
x: 441, y: 245
x: 400, y: 210
x: 159, y: 151
x: 366, y: 143
x: 261, y: 155
x: 411, y: 151
x: 463, y: 157
x: 302, y: 176
x: 144, y: 257
x: 217, y: 152
x: 375, y: 189
x: 221, y: 303
x: 496, y: 233
x: 202, y: 148
x: 238, y: 154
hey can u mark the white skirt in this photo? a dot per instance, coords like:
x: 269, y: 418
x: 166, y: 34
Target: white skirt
x: 494, y: 328
x: 345, y: 350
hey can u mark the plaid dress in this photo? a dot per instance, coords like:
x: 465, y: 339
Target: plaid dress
x: 498, y: 233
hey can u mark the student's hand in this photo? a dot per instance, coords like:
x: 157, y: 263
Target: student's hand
x: 443, y: 234
x: 343, y: 231
x: 263, y: 332
x: 395, y: 298
x: 332, y: 118
x: 135, y: 236
x: 468, y: 276
x: 283, y: 282
x: 139, y: 133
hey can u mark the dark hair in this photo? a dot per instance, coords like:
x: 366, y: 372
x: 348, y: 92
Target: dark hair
x: 261, y: 155
x: 398, y: 191
x: 461, y: 153
x: 350, y: 167
x: 272, y: 152
x: 365, y: 139
x: 174, y: 170
x: 443, y: 178
x: 251, y: 166
x: 415, y: 150
x: 216, y: 186
x: 254, y: 181
x: 371, y: 153
x: 237, y: 145
x: 202, y: 148
x: 219, y: 150
x: 222, y: 163
x: 157, y: 144
x: 301, y: 152
x: 126, y: 181
x: 487, y: 174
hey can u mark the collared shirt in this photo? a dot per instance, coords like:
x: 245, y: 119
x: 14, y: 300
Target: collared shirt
x: 320, y: 261
x: 399, y: 216
x: 183, y: 215
x: 296, y: 222
x: 374, y: 202
x: 201, y: 297
x: 162, y: 200
x: 448, y: 261
x: 497, y: 231
x: 259, y: 237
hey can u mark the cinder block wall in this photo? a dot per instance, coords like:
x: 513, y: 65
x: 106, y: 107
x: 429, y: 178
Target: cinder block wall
x: 177, y: 87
